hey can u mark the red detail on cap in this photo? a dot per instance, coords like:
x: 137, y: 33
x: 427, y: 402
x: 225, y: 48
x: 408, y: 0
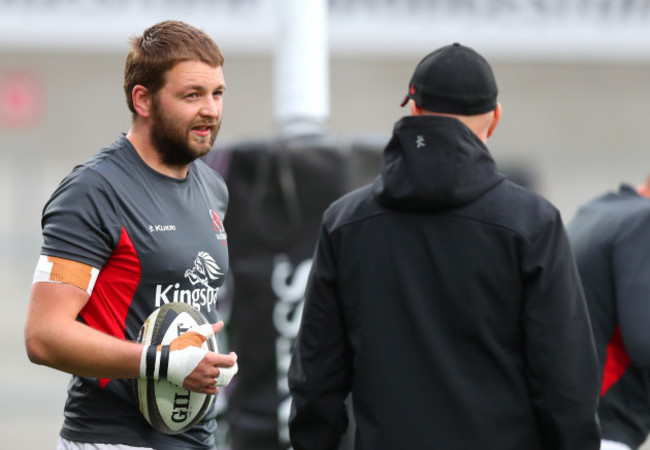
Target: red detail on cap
x: 616, y: 363
x: 111, y: 299
x: 408, y: 96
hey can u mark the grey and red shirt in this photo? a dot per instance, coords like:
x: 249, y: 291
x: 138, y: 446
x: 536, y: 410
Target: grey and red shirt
x: 148, y: 239
x: 610, y: 236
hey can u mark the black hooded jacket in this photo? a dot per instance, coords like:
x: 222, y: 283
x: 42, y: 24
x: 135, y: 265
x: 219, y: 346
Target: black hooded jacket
x: 445, y: 298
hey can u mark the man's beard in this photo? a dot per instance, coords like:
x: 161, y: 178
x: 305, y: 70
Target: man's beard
x: 172, y: 139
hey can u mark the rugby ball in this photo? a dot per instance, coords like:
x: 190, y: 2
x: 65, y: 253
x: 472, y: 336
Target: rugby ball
x: 169, y: 408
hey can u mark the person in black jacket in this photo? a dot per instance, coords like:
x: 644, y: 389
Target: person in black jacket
x: 444, y: 297
x: 610, y: 236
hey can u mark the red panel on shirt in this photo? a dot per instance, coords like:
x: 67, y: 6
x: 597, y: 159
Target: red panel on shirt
x: 617, y: 361
x: 111, y: 298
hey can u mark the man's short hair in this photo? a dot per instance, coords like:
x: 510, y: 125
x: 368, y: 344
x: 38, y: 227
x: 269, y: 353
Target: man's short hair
x: 159, y: 49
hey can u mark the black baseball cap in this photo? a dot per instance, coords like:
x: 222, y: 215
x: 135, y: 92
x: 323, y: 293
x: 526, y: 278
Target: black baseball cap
x: 454, y: 79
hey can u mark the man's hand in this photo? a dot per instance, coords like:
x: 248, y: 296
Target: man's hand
x: 184, y: 363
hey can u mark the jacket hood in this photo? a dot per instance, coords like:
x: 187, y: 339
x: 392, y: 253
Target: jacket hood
x: 434, y: 162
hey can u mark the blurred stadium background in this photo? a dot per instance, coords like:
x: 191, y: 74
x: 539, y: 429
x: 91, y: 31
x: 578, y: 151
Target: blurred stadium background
x: 573, y: 76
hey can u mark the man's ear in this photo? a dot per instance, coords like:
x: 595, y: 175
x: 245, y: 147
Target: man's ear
x: 644, y: 189
x: 495, y: 119
x: 141, y: 100
x: 415, y: 109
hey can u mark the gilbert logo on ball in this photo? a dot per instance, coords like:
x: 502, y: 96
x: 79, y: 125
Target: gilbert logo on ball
x: 170, y: 408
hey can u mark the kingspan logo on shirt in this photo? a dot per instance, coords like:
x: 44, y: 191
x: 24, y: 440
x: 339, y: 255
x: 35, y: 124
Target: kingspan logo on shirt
x: 206, y: 277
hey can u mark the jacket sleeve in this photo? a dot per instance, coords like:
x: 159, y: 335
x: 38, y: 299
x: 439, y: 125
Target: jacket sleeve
x: 631, y: 267
x: 320, y: 371
x: 561, y: 362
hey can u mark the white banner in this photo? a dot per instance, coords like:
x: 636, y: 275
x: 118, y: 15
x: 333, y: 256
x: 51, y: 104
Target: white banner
x: 608, y: 30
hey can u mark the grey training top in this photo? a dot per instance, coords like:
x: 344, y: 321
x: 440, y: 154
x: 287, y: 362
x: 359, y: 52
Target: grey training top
x: 155, y: 240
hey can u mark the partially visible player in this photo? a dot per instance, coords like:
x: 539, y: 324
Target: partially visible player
x: 444, y: 297
x: 128, y: 230
x: 611, y: 240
